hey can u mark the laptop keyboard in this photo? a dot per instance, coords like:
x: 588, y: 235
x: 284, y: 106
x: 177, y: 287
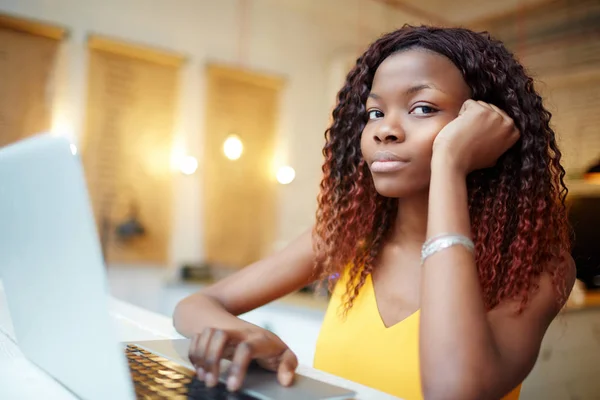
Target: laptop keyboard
x: 155, y: 377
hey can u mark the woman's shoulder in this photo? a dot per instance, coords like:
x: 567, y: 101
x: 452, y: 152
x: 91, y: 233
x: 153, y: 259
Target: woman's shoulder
x: 568, y: 269
x: 552, y: 289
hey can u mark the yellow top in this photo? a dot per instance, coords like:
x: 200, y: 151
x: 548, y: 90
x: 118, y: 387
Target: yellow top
x: 360, y: 348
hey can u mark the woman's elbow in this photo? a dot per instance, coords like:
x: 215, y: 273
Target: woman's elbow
x: 450, y: 391
x: 180, y: 313
x: 452, y: 385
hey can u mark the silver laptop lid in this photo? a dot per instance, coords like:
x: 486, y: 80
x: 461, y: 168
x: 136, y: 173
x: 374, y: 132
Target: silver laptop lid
x: 52, y: 270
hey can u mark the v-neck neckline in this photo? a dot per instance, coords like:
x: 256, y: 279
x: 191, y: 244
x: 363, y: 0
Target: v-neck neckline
x: 379, y: 317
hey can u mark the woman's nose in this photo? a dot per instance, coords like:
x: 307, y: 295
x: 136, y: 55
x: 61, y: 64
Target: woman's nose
x: 389, y: 133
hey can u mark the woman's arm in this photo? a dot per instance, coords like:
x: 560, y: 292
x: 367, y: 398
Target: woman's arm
x: 466, y: 352
x: 218, y: 305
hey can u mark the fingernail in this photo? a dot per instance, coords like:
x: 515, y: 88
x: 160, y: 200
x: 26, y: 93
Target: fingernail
x: 287, y: 378
x: 232, y: 383
x: 210, y: 380
x: 200, y: 373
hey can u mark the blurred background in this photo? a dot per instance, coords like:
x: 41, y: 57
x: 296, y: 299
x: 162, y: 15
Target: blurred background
x: 200, y: 127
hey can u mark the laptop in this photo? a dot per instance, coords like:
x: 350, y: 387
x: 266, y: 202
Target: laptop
x: 57, y: 293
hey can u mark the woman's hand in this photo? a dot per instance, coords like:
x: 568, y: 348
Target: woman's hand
x: 241, y: 347
x: 476, y: 138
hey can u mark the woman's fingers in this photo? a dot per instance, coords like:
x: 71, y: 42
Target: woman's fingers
x: 198, y: 350
x: 239, y: 366
x: 499, y: 111
x: 467, y: 104
x: 212, y: 345
x: 193, y: 353
x: 287, y: 368
x: 484, y: 104
x: 212, y: 357
x: 514, y: 131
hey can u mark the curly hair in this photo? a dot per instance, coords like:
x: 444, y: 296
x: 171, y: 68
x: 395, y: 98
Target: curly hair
x: 517, y: 208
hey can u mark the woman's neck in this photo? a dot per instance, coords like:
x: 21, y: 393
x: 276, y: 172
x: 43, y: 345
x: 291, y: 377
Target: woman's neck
x: 410, y: 227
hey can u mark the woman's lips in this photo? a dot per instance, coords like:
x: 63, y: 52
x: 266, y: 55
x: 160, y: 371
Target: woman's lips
x: 386, y: 161
x: 387, y: 166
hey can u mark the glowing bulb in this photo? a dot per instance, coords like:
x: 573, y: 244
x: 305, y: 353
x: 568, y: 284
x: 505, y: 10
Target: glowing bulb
x: 62, y: 123
x: 233, y: 147
x: 73, y: 149
x: 188, y: 165
x: 285, y: 175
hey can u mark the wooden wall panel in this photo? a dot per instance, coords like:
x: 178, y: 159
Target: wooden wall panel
x: 26, y: 65
x: 240, y: 195
x: 127, y: 149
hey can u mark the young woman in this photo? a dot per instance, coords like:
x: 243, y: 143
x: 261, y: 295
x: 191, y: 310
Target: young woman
x: 441, y: 211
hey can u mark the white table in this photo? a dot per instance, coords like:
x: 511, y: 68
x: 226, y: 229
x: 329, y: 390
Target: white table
x: 20, y: 379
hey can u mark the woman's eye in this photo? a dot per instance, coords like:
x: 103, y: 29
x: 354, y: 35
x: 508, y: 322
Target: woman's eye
x: 375, y: 114
x: 423, y: 110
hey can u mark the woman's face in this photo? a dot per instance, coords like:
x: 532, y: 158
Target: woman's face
x: 415, y: 93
